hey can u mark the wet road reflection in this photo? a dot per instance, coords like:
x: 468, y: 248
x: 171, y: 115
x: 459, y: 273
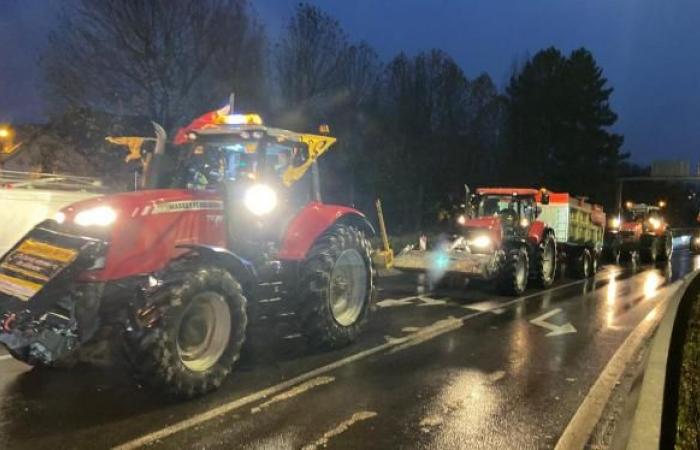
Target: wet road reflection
x: 489, y: 378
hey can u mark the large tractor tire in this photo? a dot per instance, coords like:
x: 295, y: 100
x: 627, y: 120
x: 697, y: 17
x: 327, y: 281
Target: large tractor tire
x: 666, y: 247
x: 198, y: 331
x: 337, y: 287
x: 581, y: 264
x: 543, y: 264
x: 649, y: 249
x: 513, y: 277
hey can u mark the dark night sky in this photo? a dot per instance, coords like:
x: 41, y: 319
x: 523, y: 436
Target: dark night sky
x: 649, y: 49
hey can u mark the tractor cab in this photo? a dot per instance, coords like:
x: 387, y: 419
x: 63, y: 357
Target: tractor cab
x: 511, y: 210
x: 260, y: 173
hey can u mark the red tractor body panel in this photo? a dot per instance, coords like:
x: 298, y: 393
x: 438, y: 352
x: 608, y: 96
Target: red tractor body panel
x: 308, y: 225
x: 151, y: 225
x: 536, y: 231
x: 507, y: 191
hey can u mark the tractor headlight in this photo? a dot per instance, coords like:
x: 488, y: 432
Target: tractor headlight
x: 59, y: 217
x: 614, y: 222
x: 100, y: 216
x: 260, y: 199
x: 481, y: 242
x: 654, y: 222
x: 461, y: 219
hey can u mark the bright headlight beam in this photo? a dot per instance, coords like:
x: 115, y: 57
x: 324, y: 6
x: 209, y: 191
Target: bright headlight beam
x: 481, y: 242
x: 260, y: 199
x: 59, y: 217
x: 99, y: 216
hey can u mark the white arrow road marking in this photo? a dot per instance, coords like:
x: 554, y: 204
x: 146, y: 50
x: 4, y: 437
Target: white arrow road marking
x: 2, y: 357
x: 554, y: 330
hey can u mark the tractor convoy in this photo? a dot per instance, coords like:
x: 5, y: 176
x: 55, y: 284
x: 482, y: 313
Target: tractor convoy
x: 228, y: 232
x: 514, y: 237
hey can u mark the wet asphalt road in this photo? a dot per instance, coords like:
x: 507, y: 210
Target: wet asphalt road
x: 455, y: 368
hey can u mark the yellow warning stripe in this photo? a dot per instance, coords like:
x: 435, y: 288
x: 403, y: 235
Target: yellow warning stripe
x: 42, y: 250
x: 26, y: 272
x: 12, y: 281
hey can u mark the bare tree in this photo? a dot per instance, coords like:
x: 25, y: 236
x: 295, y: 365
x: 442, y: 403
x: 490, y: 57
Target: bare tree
x: 165, y: 59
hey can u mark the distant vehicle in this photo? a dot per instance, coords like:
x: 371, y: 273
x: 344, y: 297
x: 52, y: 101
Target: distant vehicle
x: 640, y: 230
x: 513, y: 237
x: 695, y: 240
x: 238, y: 236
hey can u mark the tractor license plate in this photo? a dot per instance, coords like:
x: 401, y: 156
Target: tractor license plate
x: 32, y: 264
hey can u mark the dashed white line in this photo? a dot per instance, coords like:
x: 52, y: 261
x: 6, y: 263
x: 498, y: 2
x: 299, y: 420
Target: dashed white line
x: 296, y: 390
x: 341, y: 428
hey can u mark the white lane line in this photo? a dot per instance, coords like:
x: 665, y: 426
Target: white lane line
x: 296, y: 390
x: 341, y: 428
x: 578, y: 431
x: 422, y: 334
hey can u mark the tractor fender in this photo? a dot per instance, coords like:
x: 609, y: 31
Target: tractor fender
x: 243, y: 270
x: 537, y: 231
x: 311, y: 222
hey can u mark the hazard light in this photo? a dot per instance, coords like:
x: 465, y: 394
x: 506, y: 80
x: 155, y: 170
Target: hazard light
x: 240, y: 119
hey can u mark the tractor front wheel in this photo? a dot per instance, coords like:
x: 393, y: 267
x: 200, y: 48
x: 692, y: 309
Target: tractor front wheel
x: 666, y: 247
x: 194, y: 335
x: 513, y: 277
x: 337, y: 287
x: 649, y: 249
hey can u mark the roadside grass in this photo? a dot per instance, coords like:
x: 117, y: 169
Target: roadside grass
x: 688, y: 425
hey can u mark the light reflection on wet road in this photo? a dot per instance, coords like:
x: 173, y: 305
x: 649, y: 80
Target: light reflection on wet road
x: 454, y: 369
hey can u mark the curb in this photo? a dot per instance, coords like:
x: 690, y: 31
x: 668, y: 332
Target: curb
x: 646, y: 426
x: 580, y: 428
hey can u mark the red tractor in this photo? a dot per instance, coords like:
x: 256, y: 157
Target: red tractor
x: 640, y: 230
x: 500, y: 238
x: 182, y: 269
x: 514, y: 235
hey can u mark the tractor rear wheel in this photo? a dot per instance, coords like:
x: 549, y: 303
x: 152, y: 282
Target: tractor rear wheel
x: 337, y: 287
x: 514, y: 274
x: 544, y: 262
x: 194, y: 336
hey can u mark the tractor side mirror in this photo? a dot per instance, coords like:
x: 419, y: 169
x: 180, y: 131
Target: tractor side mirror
x: 545, y: 198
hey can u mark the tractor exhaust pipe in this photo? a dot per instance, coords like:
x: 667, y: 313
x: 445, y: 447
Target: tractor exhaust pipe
x: 154, y: 162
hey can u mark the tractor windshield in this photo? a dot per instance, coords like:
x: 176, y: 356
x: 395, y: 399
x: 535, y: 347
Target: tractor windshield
x: 208, y: 162
x: 499, y: 205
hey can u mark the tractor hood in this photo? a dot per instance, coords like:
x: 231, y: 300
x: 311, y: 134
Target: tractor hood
x: 142, y: 203
x: 487, y: 223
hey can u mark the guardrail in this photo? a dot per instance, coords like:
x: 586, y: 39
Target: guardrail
x: 35, y: 180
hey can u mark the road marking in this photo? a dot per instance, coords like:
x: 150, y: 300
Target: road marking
x: 4, y: 357
x: 578, y: 431
x: 554, y: 330
x: 205, y: 416
x: 341, y: 428
x: 296, y: 390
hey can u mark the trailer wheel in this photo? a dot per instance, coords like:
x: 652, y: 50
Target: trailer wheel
x: 666, y: 247
x: 580, y: 264
x: 337, y: 286
x: 514, y: 275
x: 544, y: 262
x: 649, y: 249
x: 197, y: 336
